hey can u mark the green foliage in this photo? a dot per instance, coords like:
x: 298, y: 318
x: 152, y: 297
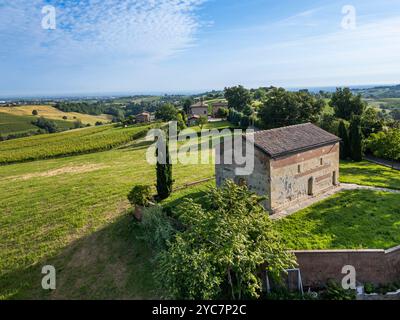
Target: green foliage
x: 346, y: 104
x: 334, y: 291
x: 370, y: 122
x: 356, y: 139
x: 234, y: 117
x: 167, y: 112
x: 68, y: 143
x: 283, y: 108
x: 45, y: 124
x: 395, y: 114
x: 385, y: 144
x: 157, y: 228
x: 369, y: 288
x: 329, y: 123
x: 35, y: 112
x: 140, y: 195
x: 345, y: 143
x: 222, y: 113
x: 225, y: 243
x: 187, y: 104
x: 164, y: 172
x: 203, y: 120
x: 238, y: 97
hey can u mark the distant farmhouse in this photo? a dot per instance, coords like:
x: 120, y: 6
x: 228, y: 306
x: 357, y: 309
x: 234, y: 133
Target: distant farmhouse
x: 199, y: 109
x: 143, y: 117
x: 291, y: 164
x: 218, y: 105
x: 193, y: 120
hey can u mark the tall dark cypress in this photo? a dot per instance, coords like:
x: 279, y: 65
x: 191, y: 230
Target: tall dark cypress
x: 345, y: 144
x: 164, y: 172
x: 355, y: 136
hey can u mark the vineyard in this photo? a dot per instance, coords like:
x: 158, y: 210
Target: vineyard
x: 67, y: 143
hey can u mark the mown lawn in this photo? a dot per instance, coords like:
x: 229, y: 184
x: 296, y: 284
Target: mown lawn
x: 73, y: 213
x: 348, y: 220
x: 369, y: 174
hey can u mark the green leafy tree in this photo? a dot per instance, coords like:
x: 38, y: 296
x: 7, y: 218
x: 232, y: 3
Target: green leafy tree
x: 385, y: 144
x: 164, y: 171
x: 371, y: 122
x: 345, y: 144
x: 283, y: 108
x: 222, y: 113
x: 187, y: 104
x: 238, y: 97
x: 203, y: 120
x: 395, y: 114
x: 356, y: 140
x: 180, y: 122
x: 346, y: 104
x: 167, y: 112
x: 224, y: 246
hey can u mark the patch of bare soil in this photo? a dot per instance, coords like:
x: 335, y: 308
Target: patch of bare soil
x: 60, y: 171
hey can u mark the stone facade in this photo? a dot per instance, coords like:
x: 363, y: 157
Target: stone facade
x: 290, y: 178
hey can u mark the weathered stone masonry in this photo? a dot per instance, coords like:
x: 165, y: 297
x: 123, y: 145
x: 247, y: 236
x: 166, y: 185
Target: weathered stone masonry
x: 290, y: 165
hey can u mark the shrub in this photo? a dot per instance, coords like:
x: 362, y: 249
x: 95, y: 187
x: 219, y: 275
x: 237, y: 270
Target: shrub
x: 35, y: 112
x: 369, y: 288
x: 157, y: 228
x: 47, y: 125
x: 334, y: 291
x: 140, y: 195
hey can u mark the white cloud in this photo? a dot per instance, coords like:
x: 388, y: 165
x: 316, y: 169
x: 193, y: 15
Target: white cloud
x: 131, y: 28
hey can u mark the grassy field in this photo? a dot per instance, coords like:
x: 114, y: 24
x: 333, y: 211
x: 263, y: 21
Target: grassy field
x: 350, y: 219
x: 67, y: 143
x: 369, y: 174
x: 72, y: 213
x: 52, y: 113
x: 14, y: 124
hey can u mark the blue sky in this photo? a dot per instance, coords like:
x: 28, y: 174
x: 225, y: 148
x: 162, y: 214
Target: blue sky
x: 126, y: 46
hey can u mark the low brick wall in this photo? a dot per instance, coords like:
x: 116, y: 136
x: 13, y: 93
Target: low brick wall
x: 373, y: 266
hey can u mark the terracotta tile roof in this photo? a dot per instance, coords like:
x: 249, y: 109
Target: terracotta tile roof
x: 200, y: 104
x: 287, y: 140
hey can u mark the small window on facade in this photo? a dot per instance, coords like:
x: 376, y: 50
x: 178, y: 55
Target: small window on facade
x: 299, y: 169
x: 321, y: 161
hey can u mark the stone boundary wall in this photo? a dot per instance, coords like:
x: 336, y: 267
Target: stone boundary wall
x: 372, y: 266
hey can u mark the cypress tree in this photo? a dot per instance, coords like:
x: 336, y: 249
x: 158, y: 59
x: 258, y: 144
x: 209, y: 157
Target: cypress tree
x: 345, y: 144
x: 355, y: 139
x: 164, y: 172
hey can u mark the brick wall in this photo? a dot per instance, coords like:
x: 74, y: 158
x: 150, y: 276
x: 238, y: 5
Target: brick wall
x: 374, y: 266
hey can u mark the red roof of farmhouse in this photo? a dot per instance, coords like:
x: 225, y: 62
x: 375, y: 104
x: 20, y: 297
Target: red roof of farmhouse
x: 293, y: 139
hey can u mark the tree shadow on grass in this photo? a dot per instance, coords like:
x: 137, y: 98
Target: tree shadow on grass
x: 107, y: 264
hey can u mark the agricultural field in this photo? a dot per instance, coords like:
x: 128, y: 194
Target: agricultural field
x: 72, y: 213
x: 67, y: 143
x: 52, y: 113
x: 16, y: 124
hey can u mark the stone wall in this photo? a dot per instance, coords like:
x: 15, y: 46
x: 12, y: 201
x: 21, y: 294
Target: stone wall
x: 301, y: 175
x: 373, y: 266
x: 257, y: 182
